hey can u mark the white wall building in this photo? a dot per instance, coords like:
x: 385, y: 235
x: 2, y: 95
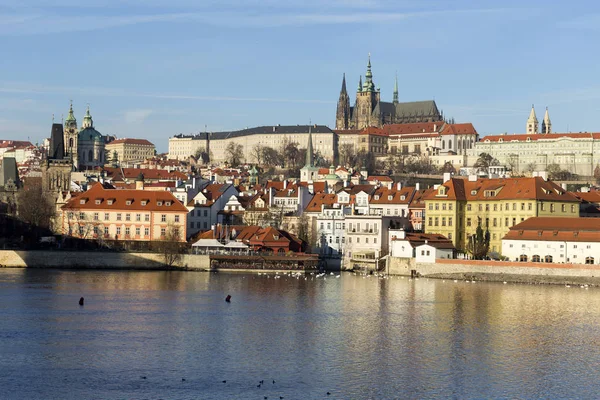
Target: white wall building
x: 554, y: 240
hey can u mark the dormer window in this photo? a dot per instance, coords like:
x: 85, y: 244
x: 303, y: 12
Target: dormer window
x: 144, y: 202
x: 403, y: 197
x: 390, y: 197
x: 98, y: 201
x: 128, y: 202
x: 159, y: 203
x: 442, y: 191
x: 276, y: 237
x: 167, y: 203
x: 377, y: 197
x: 473, y: 192
x: 83, y: 201
x: 110, y: 202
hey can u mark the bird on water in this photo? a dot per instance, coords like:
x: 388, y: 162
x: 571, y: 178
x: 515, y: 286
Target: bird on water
x: 228, y: 298
x: 81, y: 301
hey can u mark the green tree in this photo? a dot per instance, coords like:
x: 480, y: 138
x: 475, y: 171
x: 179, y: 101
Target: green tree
x: 484, y: 162
x: 478, y: 244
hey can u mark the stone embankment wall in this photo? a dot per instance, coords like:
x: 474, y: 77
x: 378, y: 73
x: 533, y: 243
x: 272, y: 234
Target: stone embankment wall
x: 497, y: 270
x: 97, y: 260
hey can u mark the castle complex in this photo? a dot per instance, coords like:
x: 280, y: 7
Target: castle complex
x: 369, y: 110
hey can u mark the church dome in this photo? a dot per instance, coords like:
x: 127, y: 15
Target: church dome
x: 90, y: 135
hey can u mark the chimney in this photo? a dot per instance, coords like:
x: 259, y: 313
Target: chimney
x: 447, y: 177
x: 285, y: 183
x: 399, y: 185
x: 435, y: 127
x: 402, y: 234
x: 564, y: 186
x: 472, y: 178
x: 417, y: 186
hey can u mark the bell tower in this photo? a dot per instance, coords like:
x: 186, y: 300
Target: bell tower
x: 71, y: 134
x: 367, y: 97
x: 342, y: 116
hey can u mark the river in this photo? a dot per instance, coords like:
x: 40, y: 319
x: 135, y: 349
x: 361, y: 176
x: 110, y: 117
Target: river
x: 171, y: 335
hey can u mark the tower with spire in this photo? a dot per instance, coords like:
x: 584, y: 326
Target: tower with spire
x: 342, y: 116
x: 87, y: 119
x: 309, y: 172
x: 367, y: 99
x: 546, y: 124
x: 532, y: 122
x: 395, y: 100
x: 71, y: 134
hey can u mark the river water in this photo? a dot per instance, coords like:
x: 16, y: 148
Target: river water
x: 171, y: 335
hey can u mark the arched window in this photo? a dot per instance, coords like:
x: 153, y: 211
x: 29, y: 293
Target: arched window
x: 589, y: 260
x: 449, y: 144
x: 91, y: 156
x: 70, y: 143
x: 548, y: 259
x: 523, y: 258
x: 83, y: 156
x: 281, y: 251
x: 535, y: 258
x: 458, y: 142
x: 443, y: 144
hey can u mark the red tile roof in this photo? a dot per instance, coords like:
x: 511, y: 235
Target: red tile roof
x: 419, y: 127
x: 459, y: 129
x: 132, y: 141
x: 379, y: 178
x: 392, y: 196
x: 120, y: 197
x: 556, y: 229
x: 433, y: 239
x: 504, y: 188
x: 540, y: 136
x: 120, y: 174
x: 319, y: 199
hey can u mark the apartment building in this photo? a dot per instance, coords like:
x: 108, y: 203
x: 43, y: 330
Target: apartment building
x: 110, y: 214
x: 459, y: 205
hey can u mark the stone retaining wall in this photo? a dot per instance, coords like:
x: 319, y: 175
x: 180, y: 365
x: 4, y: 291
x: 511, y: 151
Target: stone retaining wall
x: 96, y: 260
x: 443, y: 267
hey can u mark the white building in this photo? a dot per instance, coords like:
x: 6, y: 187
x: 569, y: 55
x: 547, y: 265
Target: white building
x: 205, y: 206
x: 324, y: 141
x: 423, y: 247
x: 554, y: 240
x: 366, y: 241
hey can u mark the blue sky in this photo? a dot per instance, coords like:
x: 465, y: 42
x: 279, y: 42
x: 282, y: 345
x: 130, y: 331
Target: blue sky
x: 154, y: 68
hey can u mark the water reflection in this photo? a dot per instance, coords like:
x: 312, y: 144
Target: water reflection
x: 355, y: 337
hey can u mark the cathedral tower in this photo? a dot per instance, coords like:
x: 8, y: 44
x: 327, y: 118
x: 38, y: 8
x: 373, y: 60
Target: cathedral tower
x: 546, y: 124
x: 342, y: 116
x: 395, y: 100
x: 532, y: 122
x: 367, y: 98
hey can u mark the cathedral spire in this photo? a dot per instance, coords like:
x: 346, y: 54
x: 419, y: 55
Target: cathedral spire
x: 309, y: 150
x: 343, y: 91
x: 532, y: 122
x: 396, y: 90
x: 359, y: 84
x: 369, y: 86
x: 546, y: 124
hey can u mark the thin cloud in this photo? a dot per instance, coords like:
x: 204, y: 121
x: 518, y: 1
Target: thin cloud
x: 110, y: 92
x: 137, y: 116
x: 42, y: 23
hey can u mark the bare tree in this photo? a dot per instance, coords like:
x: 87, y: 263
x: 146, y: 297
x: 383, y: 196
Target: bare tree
x: 347, y: 155
x: 171, y: 246
x: 235, y: 154
x: 202, y: 155
x: 271, y: 157
x: 35, y: 207
x: 257, y: 154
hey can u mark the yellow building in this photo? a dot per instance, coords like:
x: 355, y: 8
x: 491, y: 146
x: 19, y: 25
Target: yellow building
x: 459, y: 205
x: 130, y: 150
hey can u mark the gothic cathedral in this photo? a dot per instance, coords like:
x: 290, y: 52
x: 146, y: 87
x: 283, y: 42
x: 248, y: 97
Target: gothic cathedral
x: 369, y: 110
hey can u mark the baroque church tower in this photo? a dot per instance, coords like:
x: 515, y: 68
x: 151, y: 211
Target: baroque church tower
x: 366, y: 100
x: 71, y: 135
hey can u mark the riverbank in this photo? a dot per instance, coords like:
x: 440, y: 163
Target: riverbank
x: 499, y: 271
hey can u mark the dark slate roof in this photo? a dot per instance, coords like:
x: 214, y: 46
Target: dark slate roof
x: 57, y: 143
x: 427, y: 107
x: 262, y: 130
x: 8, y: 170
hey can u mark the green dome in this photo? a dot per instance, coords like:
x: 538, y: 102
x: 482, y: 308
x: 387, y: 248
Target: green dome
x: 90, y: 135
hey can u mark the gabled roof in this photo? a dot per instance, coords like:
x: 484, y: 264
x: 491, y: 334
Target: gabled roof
x: 418, y: 200
x: 120, y: 174
x: 392, y: 196
x: 433, y: 239
x: 459, y: 129
x: 379, y: 178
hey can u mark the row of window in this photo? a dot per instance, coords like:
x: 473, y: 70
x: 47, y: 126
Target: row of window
x: 358, y: 240
x: 119, y: 217
x: 495, y: 207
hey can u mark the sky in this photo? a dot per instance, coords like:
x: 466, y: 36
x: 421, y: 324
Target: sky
x: 154, y: 68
